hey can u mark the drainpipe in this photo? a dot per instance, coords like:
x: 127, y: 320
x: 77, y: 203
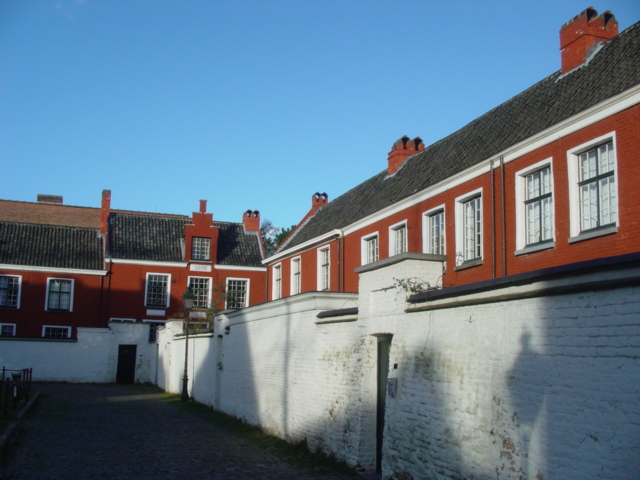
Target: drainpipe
x: 504, y: 233
x: 493, y: 223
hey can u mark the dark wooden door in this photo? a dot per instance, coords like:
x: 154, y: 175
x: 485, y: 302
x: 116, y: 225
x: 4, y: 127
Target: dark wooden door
x: 126, y: 364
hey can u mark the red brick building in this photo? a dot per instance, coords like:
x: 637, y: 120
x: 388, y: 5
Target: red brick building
x: 546, y: 179
x: 64, y: 267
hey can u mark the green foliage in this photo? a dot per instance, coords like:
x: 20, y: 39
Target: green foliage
x: 273, y: 236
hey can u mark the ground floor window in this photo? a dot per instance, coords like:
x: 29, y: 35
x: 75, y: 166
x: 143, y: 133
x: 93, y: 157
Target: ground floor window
x: 49, y: 331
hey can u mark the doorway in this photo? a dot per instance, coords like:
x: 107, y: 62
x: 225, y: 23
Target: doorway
x: 384, y: 345
x: 126, y: 372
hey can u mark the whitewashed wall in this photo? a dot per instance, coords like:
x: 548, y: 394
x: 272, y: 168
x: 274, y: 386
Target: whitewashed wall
x: 530, y: 388
x: 92, y: 358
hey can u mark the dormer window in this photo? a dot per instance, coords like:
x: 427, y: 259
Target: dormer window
x: 201, y: 248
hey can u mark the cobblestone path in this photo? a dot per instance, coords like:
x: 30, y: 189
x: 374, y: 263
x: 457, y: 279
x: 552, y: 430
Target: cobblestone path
x: 132, y: 432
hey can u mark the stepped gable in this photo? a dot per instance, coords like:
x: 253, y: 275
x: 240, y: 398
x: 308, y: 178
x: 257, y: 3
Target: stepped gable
x: 50, y: 246
x: 612, y: 70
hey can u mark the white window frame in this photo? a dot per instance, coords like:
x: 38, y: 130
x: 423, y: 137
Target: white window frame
x: 68, y: 329
x: 207, y: 253
x: 324, y: 269
x: 208, y: 300
x: 296, y: 275
x: 246, y: 292
x: 276, y: 287
x: 522, y: 247
x: 365, y: 242
x: 427, y: 240
x: 13, y: 331
x: 146, y: 290
x: 19, y: 295
x: 393, y: 246
x: 573, y: 167
x: 71, y: 294
x: 460, y: 203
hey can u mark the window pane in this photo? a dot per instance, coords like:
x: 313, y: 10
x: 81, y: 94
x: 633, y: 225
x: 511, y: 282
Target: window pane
x: 200, y: 288
x: 236, y: 293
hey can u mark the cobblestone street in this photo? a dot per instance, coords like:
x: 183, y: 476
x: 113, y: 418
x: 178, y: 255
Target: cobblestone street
x: 134, y: 432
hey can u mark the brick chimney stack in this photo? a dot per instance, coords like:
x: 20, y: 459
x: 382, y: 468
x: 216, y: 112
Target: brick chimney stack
x: 203, y: 206
x: 105, y: 210
x: 50, y: 199
x: 401, y: 150
x: 580, y: 36
x: 318, y: 200
x: 251, y: 221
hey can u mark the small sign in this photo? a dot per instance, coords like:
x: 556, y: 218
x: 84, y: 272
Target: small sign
x: 200, y: 268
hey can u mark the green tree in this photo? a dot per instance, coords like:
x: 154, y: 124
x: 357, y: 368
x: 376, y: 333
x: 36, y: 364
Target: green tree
x: 273, y: 236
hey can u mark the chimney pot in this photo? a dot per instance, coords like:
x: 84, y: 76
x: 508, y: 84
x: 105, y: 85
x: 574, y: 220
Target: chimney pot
x: 401, y: 149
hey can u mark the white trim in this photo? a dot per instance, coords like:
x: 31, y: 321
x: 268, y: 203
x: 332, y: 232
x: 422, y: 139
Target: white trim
x: 426, y: 232
x: 308, y: 245
x: 520, y: 198
x: 4, y: 324
x: 69, y: 271
x: 459, y: 224
x: 319, y: 279
x: 239, y: 268
x: 146, y: 288
x: 148, y: 262
x: 364, y: 248
x: 17, y: 307
x: 71, y: 294
x: 209, y: 288
x: 292, y: 290
x: 246, y: 293
x: 44, y: 327
x: 573, y: 176
x: 392, y: 237
x: 275, y: 295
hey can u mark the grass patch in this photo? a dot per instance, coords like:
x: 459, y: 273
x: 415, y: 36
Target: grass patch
x: 295, y: 453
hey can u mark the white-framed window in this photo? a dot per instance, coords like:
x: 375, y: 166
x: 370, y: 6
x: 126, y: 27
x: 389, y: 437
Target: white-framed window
x: 7, y: 329
x: 153, y: 329
x: 157, y: 290
x: 277, y: 282
x: 593, y: 188
x: 10, y: 291
x: 434, y: 231
x: 201, y: 288
x: 369, y: 248
x: 123, y: 320
x: 237, y: 292
x: 534, y: 207
x: 59, y: 295
x: 296, y: 276
x: 200, y: 248
x: 324, y: 268
x: 398, y: 238
x: 54, y: 331
x: 469, y: 227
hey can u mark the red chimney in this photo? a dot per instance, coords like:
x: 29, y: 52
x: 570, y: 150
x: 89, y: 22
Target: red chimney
x: 401, y: 150
x: 203, y: 206
x: 105, y: 209
x: 251, y: 220
x: 580, y: 36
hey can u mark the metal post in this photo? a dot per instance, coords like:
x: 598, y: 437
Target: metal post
x: 185, y: 378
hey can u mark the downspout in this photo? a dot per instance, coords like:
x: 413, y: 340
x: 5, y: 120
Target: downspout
x: 503, y: 213
x: 109, y: 289
x: 493, y: 223
x: 340, y: 265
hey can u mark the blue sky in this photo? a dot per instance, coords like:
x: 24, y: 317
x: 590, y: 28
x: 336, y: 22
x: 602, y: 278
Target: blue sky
x: 251, y: 104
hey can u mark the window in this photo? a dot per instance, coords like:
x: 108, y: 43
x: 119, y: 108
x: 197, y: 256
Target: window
x: 277, y: 282
x: 200, y: 288
x: 369, y: 249
x: 237, y: 292
x: 534, y: 208
x: 296, y: 272
x: 153, y: 329
x: 9, y: 291
x: 56, y: 332
x: 200, y: 248
x: 7, y: 329
x: 157, y: 294
x: 593, y: 189
x: 398, y: 239
x: 469, y: 229
x: 59, y: 295
x: 434, y: 231
x: 323, y: 269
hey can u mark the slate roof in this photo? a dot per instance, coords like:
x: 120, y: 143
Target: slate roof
x: 160, y: 238
x: 612, y: 70
x: 50, y: 246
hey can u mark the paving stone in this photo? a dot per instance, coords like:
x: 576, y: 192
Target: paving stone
x: 95, y: 431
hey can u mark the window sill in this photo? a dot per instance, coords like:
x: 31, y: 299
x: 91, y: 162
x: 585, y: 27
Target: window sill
x: 535, y: 248
x: 469, y: 264
x: 593, y: 234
